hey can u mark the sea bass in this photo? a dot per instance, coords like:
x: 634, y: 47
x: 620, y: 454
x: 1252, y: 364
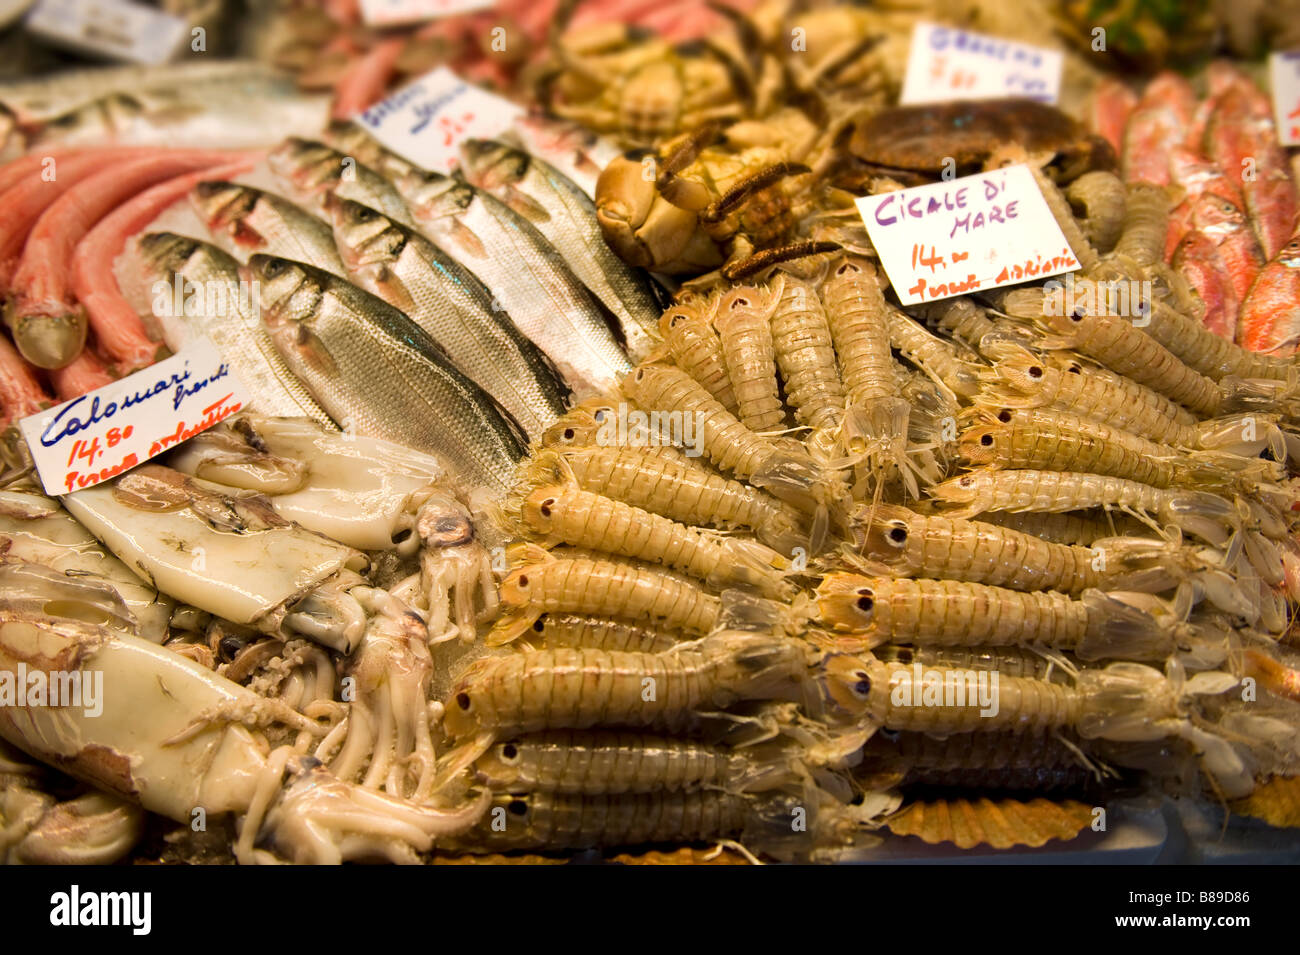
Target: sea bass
x: 380, y: 375
x: 527, y: 276
x: 213, y: 302
x: 445, y: 299
x: 314, y: 172
x: 248, y: 220
x: 577, y: 152
x: 566, y: 216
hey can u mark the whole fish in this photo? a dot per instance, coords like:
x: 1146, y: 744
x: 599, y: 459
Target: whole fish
x: 577, y: 152
x: 1270, y: 316
x: 1109, y: 108
x: 1225, y: 224
x: 1245, y: 144
x: 352, y: 140
x: 314, y: 171
x: 1195, y: 175
x: 526, y: 275
x: 1197, y: 258
x: 380, y: 375
x: 1160, y: 122
x: 445, y: 299
x: 210, y: 299
x: 250, y: 220
x: 566, y: 216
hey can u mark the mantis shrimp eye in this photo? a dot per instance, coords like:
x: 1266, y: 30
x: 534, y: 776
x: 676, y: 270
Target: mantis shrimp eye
x: 1035, y: 372
x: 518, y: 807
x: 463, y: 701
x: 863, y: 687
x: 904, y: 655
x: 966, y: 480
x: 865, y: 604
x: 509, y: 752
x: 1077, y: 315
x: 568, y: 434
x: 546, y: 506
x: 523, y: 580
x: 986, y: 440
x: 1004, y: 415
x: 539, y: 625
x: 898, y: 534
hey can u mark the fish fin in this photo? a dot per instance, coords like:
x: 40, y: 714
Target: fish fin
x: 314, y: 351
x: 467, y: 239
x: 525, y: 205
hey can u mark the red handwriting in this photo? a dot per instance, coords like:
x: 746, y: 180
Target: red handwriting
x: 1038, y: 266
x: 944, y: 289
x: 75, y: 479
x: 212, y: 414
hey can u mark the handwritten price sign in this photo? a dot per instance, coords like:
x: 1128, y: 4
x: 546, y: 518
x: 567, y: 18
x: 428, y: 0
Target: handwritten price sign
x: 117, y: 29
x: 383, y: 13
x: 426, y: 122
x: 965, y: 235
x: 946, y: 64
x: 1284, y: 76
x: 98, y: 436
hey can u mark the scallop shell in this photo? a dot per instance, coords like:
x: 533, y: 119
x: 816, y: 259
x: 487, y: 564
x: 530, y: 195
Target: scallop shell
x: 1001, y: 824
x: 1277, y: 802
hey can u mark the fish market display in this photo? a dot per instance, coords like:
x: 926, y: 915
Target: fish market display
x: 598, y: 492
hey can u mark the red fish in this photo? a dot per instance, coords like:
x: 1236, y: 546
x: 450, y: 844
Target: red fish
x: 1270, y: 316
x: 1108, y: 111
x: 1225, y: 224
x: 1197, y: 176
x: 1197, y: 257
x: 1160, y: 122
x: 1246, y: 147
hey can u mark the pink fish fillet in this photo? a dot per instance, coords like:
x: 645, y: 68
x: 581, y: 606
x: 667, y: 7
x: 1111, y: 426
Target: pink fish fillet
x: 365, y: 81
x: 114, y: 322
x: 84, y: 373
x: 21, y: 393
x: 43, y: 314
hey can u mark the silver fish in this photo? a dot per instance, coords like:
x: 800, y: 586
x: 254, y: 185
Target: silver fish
x: 380, y: 375
x: 249, y: 220
x: 314, y: 172
x: 566, y: 216
x: 410, y: 273
x: 526, y: 274
x: 215, y: 303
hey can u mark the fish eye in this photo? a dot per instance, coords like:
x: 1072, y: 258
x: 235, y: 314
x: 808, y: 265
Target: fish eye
x: 599, y: 416
x: 463, y: 701
x: 273, y: 267
x: 546, y: 506
x: 898, y: 534
x: 676, y: 320
x: 522, y: 580
x: 1078, y: 314
x: 1034, y: 371
x: 863, y: 687
x: 1004, y: 415
x: 986, y: 440
x: 966, y: 480
x: 365, y: 214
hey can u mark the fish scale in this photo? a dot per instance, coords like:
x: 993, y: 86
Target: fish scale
x: 567, y: 218
x: 380, y: 375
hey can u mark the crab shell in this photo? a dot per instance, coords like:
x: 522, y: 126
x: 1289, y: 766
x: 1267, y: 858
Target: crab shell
x: 644, y: 228
x: 925, y: 138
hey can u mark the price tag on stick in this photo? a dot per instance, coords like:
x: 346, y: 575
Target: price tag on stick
x: 966, y: 235
x: 946, y: 64
x: 426, y: 122
x: 110, y: 430
x: 386, y: 13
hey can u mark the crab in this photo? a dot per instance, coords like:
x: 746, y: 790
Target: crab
x: 734, y: 198
x: 640, y: 89
x: 915, y: 144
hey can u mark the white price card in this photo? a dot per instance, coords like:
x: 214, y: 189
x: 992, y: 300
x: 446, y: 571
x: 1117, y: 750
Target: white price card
x: 110, y: 430
x: 966, y: 235
x: 1284, y: 76
x: 947, y: 64
x: 116, y: 29
x: 426, y: 122
x: 384, y: 13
